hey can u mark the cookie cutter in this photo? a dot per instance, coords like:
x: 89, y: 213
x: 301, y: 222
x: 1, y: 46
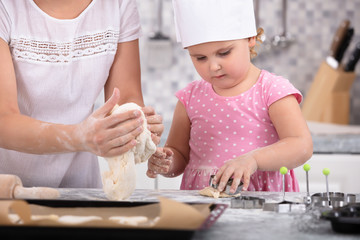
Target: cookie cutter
x: 285, y: 207
x: 227, y: 187
x: 333, y: 199
x: 247, y: 202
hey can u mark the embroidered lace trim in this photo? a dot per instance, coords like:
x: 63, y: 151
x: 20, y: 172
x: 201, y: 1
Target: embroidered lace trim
x: 63, y: 52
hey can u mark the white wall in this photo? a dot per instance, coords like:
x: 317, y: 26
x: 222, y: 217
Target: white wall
x: 344, y: 173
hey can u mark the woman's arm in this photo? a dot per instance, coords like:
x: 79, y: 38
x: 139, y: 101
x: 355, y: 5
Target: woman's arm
x: 125, y: 74
x: 96, y: 134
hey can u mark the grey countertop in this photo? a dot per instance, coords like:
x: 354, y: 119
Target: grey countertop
x: 238, y: 223
x: 336, y: 143
x: 335, y: 138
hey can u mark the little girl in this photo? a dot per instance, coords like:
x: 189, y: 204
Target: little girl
x: 238, y: 121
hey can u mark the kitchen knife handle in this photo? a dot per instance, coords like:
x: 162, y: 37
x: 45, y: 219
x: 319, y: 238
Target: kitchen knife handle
x: 338, y: 38
x: 344, y: 44
x: 353, y: 59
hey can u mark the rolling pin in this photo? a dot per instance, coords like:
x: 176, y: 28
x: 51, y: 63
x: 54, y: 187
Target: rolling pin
x: 11, y: 187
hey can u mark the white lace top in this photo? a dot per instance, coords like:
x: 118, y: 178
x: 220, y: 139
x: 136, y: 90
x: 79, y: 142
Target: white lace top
x: 61, y: 67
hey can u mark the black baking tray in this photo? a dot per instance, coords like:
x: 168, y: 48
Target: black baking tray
x: 344, y: 219
x: 35, y: 232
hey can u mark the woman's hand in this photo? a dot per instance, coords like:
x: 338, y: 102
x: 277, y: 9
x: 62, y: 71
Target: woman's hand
x: 155, y: 124
x: 159, y: 162
x: 109, y: 135
x: 240, y: 168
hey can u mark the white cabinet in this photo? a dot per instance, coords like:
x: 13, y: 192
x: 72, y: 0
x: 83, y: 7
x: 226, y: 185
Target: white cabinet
x: 144, y: 182
x: 344, y: 173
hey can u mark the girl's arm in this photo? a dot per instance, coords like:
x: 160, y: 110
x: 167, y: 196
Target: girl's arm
x: 295, y: 146
x: 175, y: 155
x: 292, y: 150
x: 96, y: 134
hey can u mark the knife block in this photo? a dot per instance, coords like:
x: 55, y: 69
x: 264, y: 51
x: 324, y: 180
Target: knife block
x: 328, y: 99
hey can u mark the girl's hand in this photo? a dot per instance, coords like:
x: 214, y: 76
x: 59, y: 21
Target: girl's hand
x: 240, y: 168
x: 109, y: 135
x: 155, y: 124
x: 159, y: 162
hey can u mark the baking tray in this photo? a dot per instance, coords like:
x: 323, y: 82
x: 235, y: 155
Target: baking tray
x: 344, y: 219
x: 74, y: 232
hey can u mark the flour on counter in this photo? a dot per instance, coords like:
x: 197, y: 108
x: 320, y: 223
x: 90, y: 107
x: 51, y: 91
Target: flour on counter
x: 120, y: 181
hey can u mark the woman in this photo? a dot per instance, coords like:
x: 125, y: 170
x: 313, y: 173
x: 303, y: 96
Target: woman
x: 56, y: 57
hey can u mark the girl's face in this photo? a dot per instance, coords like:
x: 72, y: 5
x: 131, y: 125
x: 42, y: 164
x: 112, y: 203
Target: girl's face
x: 224, y: 64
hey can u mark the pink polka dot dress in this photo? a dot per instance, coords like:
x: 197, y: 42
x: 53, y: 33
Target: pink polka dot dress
x: 223, y: 128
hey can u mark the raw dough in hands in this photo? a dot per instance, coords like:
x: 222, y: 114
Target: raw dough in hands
x: 120, y: 181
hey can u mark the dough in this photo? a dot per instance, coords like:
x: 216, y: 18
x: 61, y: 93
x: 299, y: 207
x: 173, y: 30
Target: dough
x: 120, y: 181
x: 70, y: 219
x: 45, y: 217
x: 14, y: 218
x: 212, y: 192
x: 133, y: 221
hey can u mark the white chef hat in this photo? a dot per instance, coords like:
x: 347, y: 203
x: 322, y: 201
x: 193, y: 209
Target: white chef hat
x: 199, y: 21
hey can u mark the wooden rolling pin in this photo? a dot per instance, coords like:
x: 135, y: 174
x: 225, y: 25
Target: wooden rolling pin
x: 11, y: 187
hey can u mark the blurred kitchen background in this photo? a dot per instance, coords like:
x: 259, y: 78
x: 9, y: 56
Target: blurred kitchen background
x: 311, y: 25
x: 306, y: 29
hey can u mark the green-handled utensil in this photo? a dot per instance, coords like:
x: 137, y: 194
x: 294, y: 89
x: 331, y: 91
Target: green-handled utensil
x: 326, y: 172
x: 283, y: 171
x: 307, y: 168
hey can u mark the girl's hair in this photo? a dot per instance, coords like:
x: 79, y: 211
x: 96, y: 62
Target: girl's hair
x: 260, y: 32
